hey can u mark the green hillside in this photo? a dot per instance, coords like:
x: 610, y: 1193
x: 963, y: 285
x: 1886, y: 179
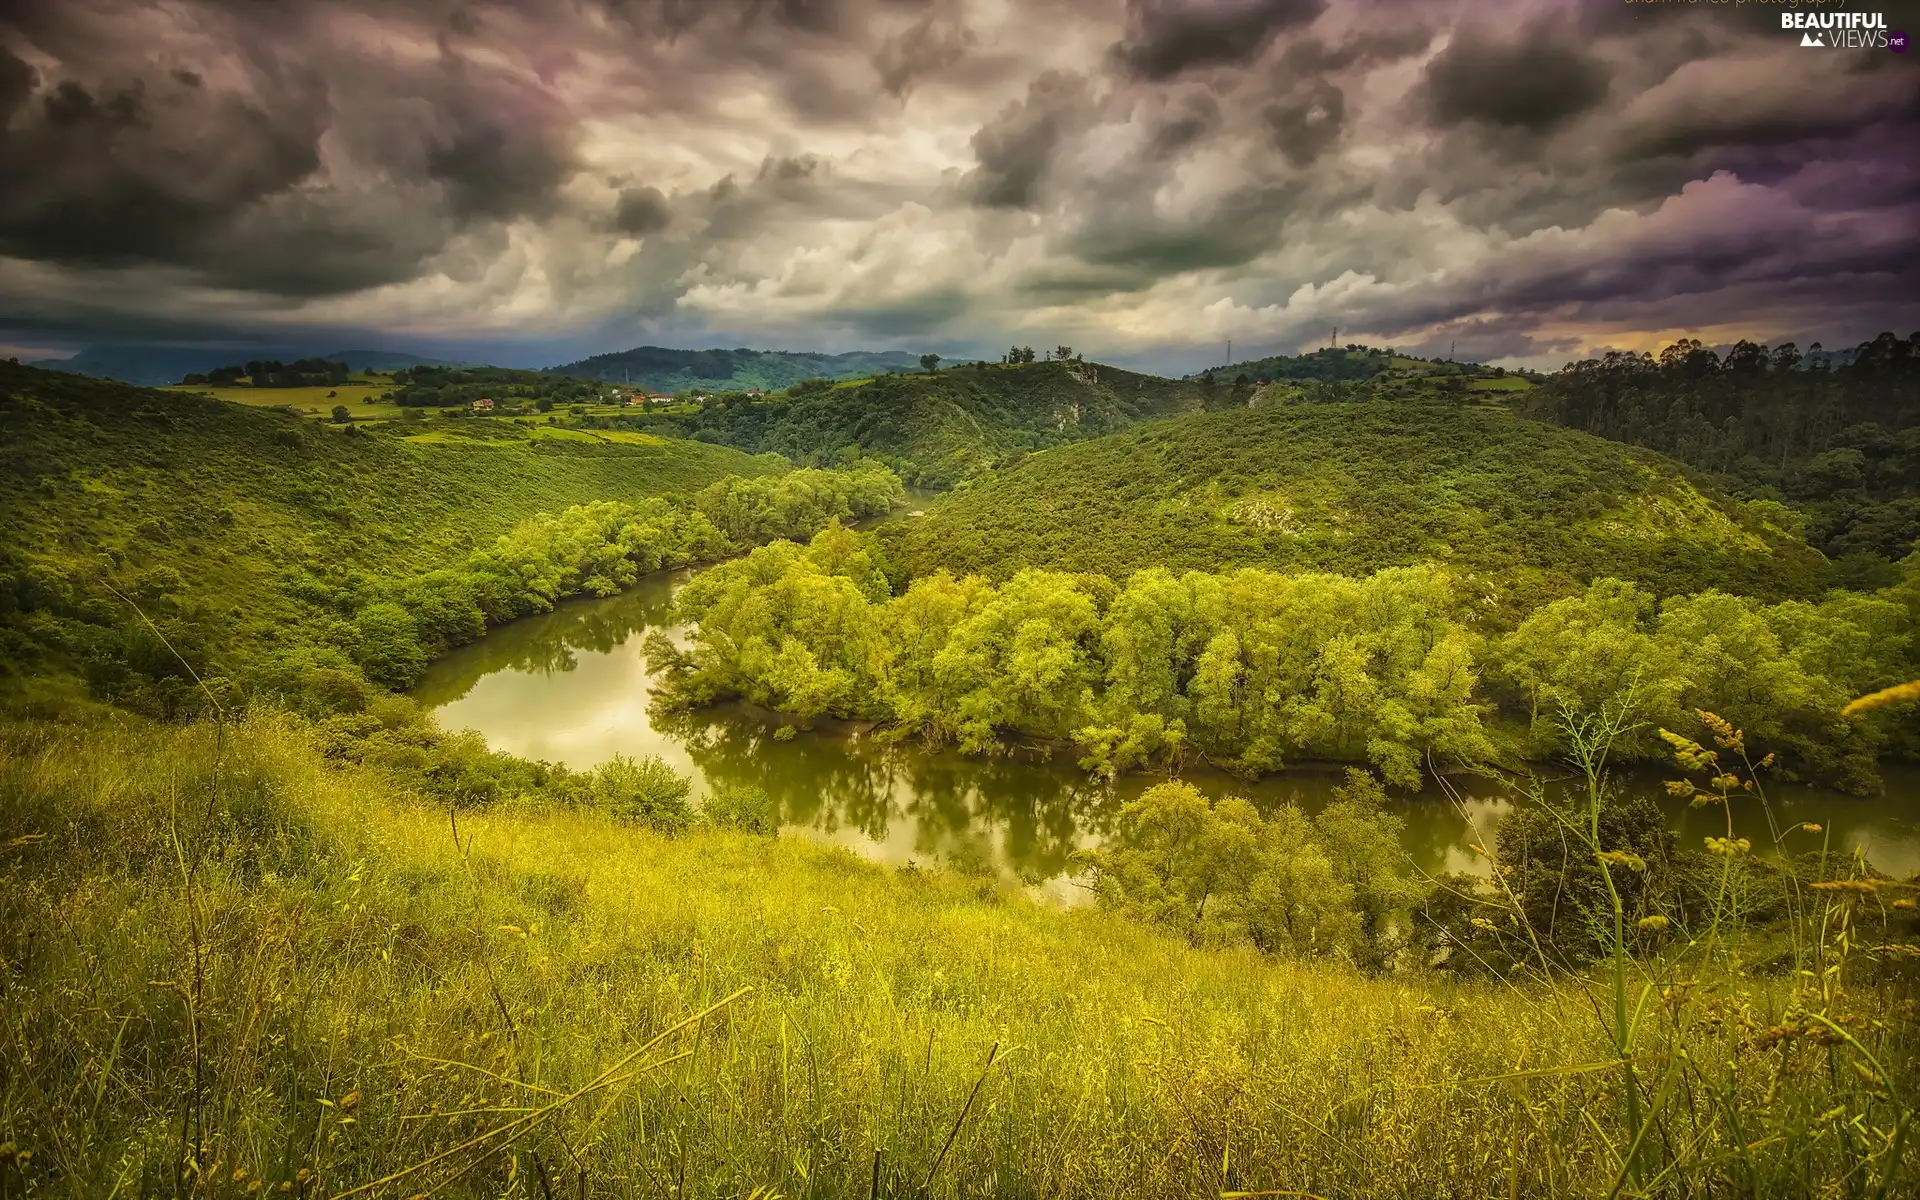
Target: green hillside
x: 666, y: 370
x: 233, y: 512
x: 1354, y: 488
x: 943, y: 427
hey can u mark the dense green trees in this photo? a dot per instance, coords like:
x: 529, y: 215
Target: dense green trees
x: 1255, y: 669
x: 1781, y: 671
x: 1530, y: 512
x: 1836, y: 434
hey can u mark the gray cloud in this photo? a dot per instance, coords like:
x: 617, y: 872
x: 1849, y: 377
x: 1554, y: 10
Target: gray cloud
x: 641, y: 210
x: 1015, y: 149
x: 1534, y: 82
x: 1166, y: 37
x: 1154, y: 173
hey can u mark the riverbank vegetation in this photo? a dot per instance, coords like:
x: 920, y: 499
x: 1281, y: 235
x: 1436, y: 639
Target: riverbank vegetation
x: 1255, y: 669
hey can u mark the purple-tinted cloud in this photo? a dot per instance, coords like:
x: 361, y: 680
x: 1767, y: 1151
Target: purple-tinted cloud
x: 1133, y: 176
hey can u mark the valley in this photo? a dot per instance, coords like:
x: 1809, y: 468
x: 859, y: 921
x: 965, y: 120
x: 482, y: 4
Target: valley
x: 1167, y: 709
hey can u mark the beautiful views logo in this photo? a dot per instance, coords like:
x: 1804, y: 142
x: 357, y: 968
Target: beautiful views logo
x: 1843, y: 30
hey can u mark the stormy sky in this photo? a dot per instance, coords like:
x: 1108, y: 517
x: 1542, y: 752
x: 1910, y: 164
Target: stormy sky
x: 1142, y: 179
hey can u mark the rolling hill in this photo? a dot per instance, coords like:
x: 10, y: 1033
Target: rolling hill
x: 667, y: 370
x: 244, y: 515
x: 1355, y: 487
x: 937, y: 429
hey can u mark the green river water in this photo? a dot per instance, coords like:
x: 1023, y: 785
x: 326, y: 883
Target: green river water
x: 571, y: 687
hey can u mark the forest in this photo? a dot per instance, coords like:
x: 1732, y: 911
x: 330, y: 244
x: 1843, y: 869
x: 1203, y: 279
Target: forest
x: 267, y: 928
x: 1836, y: 439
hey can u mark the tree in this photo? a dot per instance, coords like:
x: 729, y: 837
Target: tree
x: 342, y: 415
x: 1063, y: 353
x: 928, y: 362
x: 192, y: 379
x: 1026, y: 354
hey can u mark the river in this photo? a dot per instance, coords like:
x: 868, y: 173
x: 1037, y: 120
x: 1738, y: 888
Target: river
x: 571, y: 687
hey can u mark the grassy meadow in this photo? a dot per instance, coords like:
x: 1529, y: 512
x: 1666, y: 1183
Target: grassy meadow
x: 233, y: 968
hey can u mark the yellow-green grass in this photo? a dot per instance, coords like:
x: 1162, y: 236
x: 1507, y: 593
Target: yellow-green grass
x: 313, y: 399
x: 309, y: 975
x: 1500, y: 383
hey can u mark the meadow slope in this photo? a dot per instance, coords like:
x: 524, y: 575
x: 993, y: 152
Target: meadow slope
x: 172, y: 493
x: 340, y: 989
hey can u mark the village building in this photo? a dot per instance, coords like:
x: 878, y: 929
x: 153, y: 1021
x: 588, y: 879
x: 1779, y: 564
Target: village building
x: 483, y: 405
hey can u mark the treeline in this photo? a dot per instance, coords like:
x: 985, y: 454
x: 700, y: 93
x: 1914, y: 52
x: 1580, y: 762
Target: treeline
x: 270, y: 373
x: 1838, y: 436
x: 449, y: 387
x: 1255, y: 669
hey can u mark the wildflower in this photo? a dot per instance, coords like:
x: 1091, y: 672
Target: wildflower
x: 1810, y: 827
x: 1483, y: 923
x: 1654, y: 923
x: 1726, y: 782
x: 1883, y: 697
x: 1725, y: 735
x: 1729, y: 847
x: 1690, y: 754
x: 1623, y: 858
x: 1679, y: 787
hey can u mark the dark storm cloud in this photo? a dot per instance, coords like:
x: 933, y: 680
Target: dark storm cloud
x: 1146, y: 169
x: 1305, y: 125
x: 1533, y: 82
x: 1015, y: 149
x: 641, y: 211
x: 1166, y: 37
x: 109, y: 173
x: 16, y: 84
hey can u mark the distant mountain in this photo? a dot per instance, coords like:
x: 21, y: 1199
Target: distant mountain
x: 154, y: 366
x: 664, y: 370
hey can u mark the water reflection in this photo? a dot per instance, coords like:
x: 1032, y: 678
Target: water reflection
x: 570, y: 687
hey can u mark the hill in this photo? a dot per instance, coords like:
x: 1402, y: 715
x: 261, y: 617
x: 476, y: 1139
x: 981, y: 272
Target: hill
x: 1355, y: 487
x: 667, y: 370
x: 938, y: 428
x: 1834, y: 433
x: 154, y: 366
x: 234, y: 519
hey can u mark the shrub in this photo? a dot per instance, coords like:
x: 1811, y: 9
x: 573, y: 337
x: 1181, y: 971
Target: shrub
x: 745, y: 808
x: 644, y: 791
